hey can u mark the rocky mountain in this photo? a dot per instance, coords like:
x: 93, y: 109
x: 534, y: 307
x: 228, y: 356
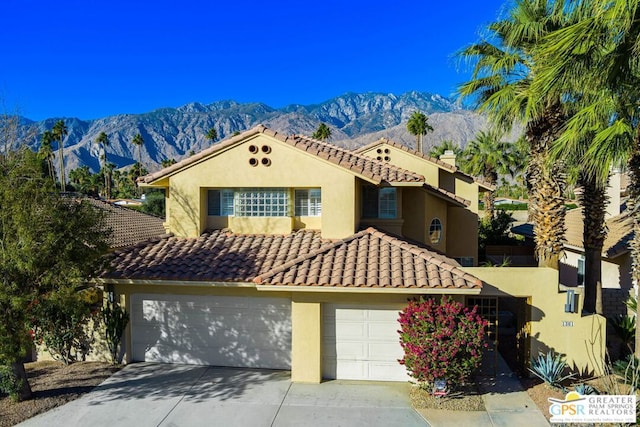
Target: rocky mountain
x: 172, y: 133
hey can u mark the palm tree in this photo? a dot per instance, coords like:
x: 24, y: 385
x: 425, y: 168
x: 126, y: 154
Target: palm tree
x: 488, y: 156
x: 168, y: 162
x: 212, y: 135
x: 46, y: 150
x: 418, y: 126
x: 138, y: 142
x: 501, y: 85
x: 595, y: 59
x: 322, y: 133
x: 446, y: 145
x: 59, y: 132
x: 103, y: 140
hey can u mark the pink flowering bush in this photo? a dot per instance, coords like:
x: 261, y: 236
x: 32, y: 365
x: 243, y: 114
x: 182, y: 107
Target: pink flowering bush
x: 441, y: 340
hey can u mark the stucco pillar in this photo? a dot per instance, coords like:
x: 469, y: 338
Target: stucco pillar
x: 306, y: 342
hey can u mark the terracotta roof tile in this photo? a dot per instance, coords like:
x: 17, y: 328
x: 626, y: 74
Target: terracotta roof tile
x: 438, y: 162
x: 373, y: 259
x: 369, y: 258
x: 363, y: 165
x: 619, y: 232
x: 128, y: 226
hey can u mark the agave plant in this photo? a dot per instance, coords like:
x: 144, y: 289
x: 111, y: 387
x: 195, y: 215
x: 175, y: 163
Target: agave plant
x: 584, y: 389
x: 550, y: 368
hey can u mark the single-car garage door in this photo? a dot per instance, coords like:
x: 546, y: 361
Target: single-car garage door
x: 362, y: 343
x: 212, y: 330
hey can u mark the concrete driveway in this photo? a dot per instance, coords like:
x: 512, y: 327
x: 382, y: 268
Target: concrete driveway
x: 145, y: 394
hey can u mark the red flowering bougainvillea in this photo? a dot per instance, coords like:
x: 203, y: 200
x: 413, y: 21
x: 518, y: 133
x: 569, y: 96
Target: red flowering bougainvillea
x: 441, y: 340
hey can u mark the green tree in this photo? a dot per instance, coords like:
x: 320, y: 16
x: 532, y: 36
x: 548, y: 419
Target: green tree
x: 168, y: 162
x: 138, y: 142
x: 212, y: 135
x: 103, y: 141
x: 322, y: 133
x: 59, y: 133
x: 446, y: 145
x: 593, y: 63
x: 44, y: 250
x: 46, y: 150
x: 418, y: 125
x: 505, y: 65
x: 488, y: 156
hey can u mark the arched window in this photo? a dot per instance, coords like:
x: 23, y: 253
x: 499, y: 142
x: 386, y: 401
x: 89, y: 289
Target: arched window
x: 435, y: 231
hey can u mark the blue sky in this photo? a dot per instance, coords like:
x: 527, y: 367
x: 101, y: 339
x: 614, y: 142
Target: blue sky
x: 90, y: 59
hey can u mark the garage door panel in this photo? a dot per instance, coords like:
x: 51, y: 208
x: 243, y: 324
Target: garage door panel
x: 361, y: 342
x: 212, y: 330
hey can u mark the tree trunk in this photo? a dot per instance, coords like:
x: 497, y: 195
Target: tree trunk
x: 25, y: 390
x: 546, y: 184
x: 634, y: 206
x: 594, y: 232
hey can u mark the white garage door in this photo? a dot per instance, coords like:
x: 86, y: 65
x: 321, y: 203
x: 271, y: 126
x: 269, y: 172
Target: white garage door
x: 212, y: 330
x: 362, y: 343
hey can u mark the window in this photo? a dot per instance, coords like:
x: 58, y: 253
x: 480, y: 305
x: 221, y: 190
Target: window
x: 581, y: 271
x: 435, y: 231
x: 220, y: 202
x: 308, y: 202
x: 262, y: 202
x: 379, y: 202
x: 465, y: 261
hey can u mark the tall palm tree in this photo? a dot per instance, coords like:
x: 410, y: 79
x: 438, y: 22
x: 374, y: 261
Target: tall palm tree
x: 138, y: 142
x: 488, y: 156
x: 322, y: 133
x: 59, y: 133
x: 46, y: 150
x: 596, y: 58
x: 505, y: 66
x: 418, y: 125
x: 103, y: 141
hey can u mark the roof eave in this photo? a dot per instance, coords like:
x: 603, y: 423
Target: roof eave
x: 369, y: 290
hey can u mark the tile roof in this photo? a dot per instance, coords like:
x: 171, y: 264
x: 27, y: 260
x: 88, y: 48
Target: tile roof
x: 128, y: 226
x: 619, y: 233
x: 443, y: 165
x: 369, y: 259
x: 370, y: 168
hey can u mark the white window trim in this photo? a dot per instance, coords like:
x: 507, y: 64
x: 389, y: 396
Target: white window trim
x: 305, y: 201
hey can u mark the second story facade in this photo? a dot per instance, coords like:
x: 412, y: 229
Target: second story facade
x: 261, y: 182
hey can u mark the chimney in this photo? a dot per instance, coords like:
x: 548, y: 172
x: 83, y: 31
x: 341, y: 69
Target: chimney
x: 613, y: 194
x: 449, y: 157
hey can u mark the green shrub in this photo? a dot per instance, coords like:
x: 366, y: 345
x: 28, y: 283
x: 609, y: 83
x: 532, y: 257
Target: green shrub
x: 628, y: 369
x: 60, y: 322
x: 115, y: 319
x: 441, y: 340
x: 9, y: 383
x: 550, y: 369
x: 625, y: 329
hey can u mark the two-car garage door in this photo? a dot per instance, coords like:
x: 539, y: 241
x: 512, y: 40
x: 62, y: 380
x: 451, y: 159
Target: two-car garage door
x: 212, y: 330
x: 361, y: 342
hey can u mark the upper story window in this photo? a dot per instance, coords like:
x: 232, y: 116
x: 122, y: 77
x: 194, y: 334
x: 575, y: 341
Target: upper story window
x: 308, y: 202
x: 435, y: 231
x: 220, y: 202
x: 379, y: 202
x: 262, y: 202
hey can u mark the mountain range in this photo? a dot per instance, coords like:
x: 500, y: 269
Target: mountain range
x: 355, y: 119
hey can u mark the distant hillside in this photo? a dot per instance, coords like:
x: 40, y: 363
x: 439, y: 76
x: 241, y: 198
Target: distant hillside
x: 355, y: 119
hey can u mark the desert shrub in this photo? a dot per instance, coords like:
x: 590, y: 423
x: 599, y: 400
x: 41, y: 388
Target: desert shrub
x: 10, y: 384
x: 61, y: 323
x: 441, y: 340
x: 625, y: 329
x: 115, y: 319
x: 584, y: 389
x: 628, y: 369
x: 550, y: 368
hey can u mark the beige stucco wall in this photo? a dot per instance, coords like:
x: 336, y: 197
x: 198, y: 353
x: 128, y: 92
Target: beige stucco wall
x: 289, y: 168
x: 581, y: 338
x: 463, y: 225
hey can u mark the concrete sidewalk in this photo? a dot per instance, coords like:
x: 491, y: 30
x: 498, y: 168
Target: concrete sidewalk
x: 505, y: 400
